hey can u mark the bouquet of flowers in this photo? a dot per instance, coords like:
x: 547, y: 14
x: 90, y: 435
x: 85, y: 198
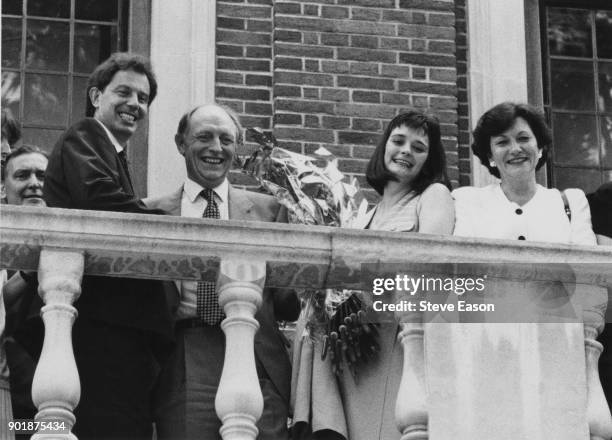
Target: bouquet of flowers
x: 315, y: 192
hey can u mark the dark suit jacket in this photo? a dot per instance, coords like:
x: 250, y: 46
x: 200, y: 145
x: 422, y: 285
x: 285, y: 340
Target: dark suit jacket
x: 85, y: 172
x: 277, y: 304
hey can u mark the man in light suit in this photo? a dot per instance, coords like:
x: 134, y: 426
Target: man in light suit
x: 207, y: 137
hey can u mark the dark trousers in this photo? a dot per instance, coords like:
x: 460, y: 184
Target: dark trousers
x: 185, y: 398
x: 118, y: 371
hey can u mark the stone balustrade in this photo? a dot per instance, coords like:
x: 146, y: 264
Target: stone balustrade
x: 439, y: 359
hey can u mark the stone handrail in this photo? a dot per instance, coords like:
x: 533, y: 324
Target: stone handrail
x: 65, y: 244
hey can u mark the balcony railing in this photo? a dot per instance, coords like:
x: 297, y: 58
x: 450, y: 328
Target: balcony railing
x: 439, y: 394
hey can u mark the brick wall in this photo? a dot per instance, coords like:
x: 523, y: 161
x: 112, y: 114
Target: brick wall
x: 331, y: 73
x: 463, y: 123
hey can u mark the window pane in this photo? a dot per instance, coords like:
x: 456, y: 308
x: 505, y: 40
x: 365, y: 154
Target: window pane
x: 575, y: 140
x: 79, y: 92
x: 587, y: 180
x: 569, y: 32
x: 572, y: 85
x: 47, y: 45
x: 606, y: 141
x: 13, y: 7
x: 603, y: 33
x: 92, y: 45
x: 46, y: 99
x: 11, y: 42
x: 46, y: 8
x: 43, y: 138
x: 96, y: 10
x: 11, y: 91
x: 605, y: 87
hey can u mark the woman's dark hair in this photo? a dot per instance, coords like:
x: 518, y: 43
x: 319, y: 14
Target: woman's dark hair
x: 499, y: 119
x: 10, y: 127
x: 434, y: 168
x: 119, y: 61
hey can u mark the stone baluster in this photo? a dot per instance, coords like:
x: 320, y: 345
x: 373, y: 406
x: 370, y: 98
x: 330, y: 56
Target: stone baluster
x: 595, y: 300
x: 239, y: 402
x: 411, y: 406
x: 56, y: 389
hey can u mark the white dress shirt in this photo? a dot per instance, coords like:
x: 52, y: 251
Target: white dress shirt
x: 111, y: 137
x: 193, y: 205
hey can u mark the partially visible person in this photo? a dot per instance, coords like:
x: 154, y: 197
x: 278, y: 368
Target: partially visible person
x: 207, y: 138
x: 124, y: 326
x: 408, y: 170
x: 11, y: 134
x: 23, y: 181
x: 511, y: 140
x: 600, y: 202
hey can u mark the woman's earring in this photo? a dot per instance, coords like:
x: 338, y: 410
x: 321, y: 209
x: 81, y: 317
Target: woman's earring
x: 492, y: 164
x: 540, y: 154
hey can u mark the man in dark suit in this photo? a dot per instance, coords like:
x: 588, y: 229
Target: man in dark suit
x: 207, y: 137
x: 123, y: 324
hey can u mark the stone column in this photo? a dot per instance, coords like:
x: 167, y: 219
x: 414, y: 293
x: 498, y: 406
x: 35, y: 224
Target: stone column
x: 239, y: 402
x: 56, y: 389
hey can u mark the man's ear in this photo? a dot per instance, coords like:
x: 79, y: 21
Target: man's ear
x: 94, y: 97
x: 178, y: 140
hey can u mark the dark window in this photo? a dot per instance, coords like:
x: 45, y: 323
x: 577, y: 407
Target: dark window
x: 49, y: 48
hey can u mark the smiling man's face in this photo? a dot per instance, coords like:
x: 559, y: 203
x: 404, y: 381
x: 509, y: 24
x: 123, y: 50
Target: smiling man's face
x: 122, y: 104
x: 25, y: 176
x: 209, y: 145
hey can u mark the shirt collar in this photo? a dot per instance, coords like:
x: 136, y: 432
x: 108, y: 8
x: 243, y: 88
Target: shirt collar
x: 193, y: 190
x: 111, y: 137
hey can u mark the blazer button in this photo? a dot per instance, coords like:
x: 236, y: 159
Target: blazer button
x: 521, y: 237
x: 519, y: 211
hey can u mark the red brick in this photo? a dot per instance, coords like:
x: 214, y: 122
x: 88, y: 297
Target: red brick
x: 243, y: 65
x: 352, y: 165
x: 287, y: 91
x: 311, y: 121
x: 246, y: 94
x: 287, y: 63
x: 383, y: 56
x: 365, y: 124
x: 304, y: 134
x: 419, y: 73
x: 237, y: 106
x: 312, y: 79
x: 300, y: 106
x: 447, y: 117
x: 428, y: 88
x: 257, y: 108
x: 420, y: 101
x: 448, y: 130
x: 287, y: 8
x: 363, y: 152
x: 395, y: 43
x: 364, y: 68
x: 310, y: 93
x: 396, y: 15
x: 362, y: 96
x: 338, y: 26
x: 364, y: 41
x: 259, y: 80
x: 335, y: 122
x: 224, y: 50
x: 441, y: 20
x: 334, y: 12
x: 446, y: 47
x: 364, y: 110
x: 310, y: 10
x: 395, y: 71
x: 418, y: 18
x: 334, y: 39
x: 287, y: 119
x: 427, y: 5
x: 418, y: 45
x: 240, y: 37
x: 259, y: 25
x: 243, y: 11
x: 369, y: 3
x: 427, y: 32
x: 230, y: 23
x: 287, y: 36
x: 365, y: 14
x: 334, y: 94
x: 311, y: 38
x: 229, y: 77
x: 312, y: 66
x: 259, y: 52
x: 443, y: 103
x: 256, y: 121
x: 423, y: 59
x: 299, y: 50
x: 334, y: 66
x: 395, y: 98
x: 446, y: 75
x: 375, y: 83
